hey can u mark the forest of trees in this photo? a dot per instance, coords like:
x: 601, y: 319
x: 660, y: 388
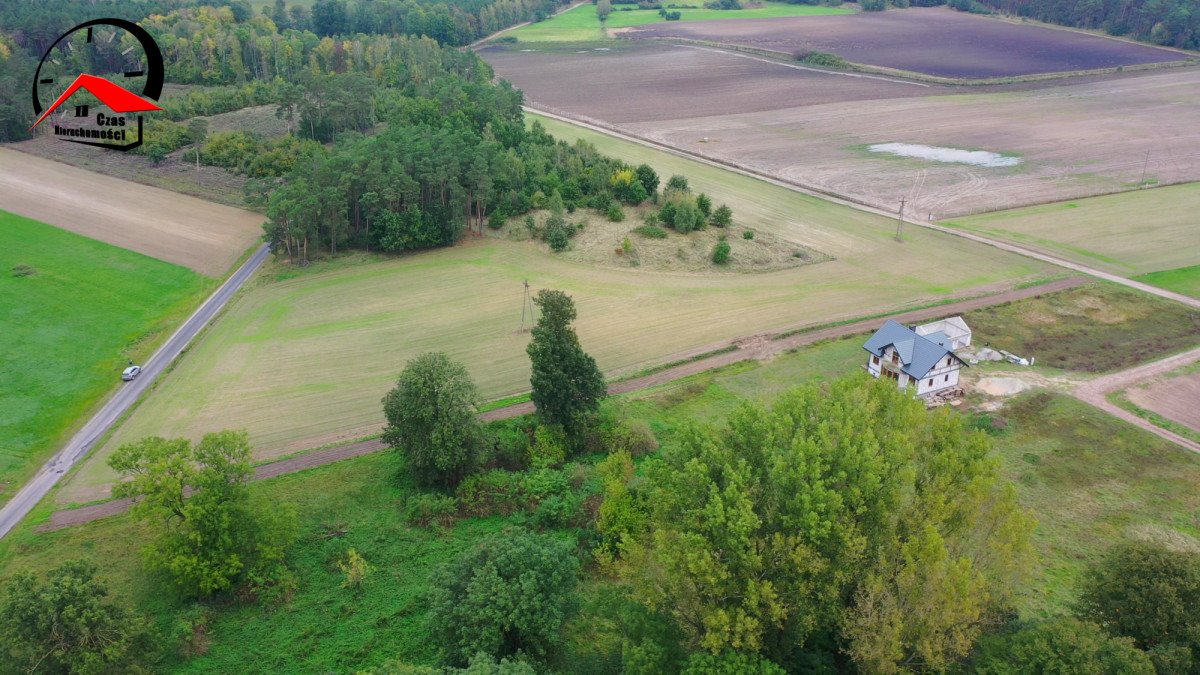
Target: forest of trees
x: 1174, y: 23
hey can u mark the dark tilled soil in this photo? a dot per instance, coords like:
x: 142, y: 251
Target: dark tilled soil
x: 660, y: 82
x: 934, y: 41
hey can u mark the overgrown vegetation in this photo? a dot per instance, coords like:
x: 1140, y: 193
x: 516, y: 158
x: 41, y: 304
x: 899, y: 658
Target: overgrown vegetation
x: 1093, y: 328
x: 215, y: 537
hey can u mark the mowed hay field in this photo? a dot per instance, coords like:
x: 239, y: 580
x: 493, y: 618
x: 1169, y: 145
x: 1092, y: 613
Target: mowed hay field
x: 206, y: 237
x: 303, y: 360
x: 581, y: 23
x: 74, y: 311
x: 1073, y: 138
x: 935, y: 41
x: 1133, y: 233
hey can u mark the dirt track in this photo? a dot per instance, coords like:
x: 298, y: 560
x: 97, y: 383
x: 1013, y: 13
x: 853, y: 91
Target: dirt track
x: 755, y: 347
x: 1095, y: 391
x: 1177, y: 399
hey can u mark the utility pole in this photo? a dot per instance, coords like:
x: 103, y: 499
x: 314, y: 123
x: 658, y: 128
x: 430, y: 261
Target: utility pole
x: 1145, y: 166
x: 525, y: 302
x: 900, y: 219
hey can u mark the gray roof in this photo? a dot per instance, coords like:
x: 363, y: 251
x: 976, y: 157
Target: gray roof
x: 918, y: 353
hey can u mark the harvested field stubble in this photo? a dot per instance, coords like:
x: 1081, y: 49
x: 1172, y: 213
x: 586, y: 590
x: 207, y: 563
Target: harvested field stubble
x: 1074, y: 141
x: 933, y: 41
x: 1177, y: 399
x: 1077, y: 140
x: 348, y: 328
x: 203, y: 236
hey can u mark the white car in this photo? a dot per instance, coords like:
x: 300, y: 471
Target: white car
x: 131, y: 372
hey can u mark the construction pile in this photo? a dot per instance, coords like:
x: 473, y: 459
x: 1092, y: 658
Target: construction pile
x: 952, y: 396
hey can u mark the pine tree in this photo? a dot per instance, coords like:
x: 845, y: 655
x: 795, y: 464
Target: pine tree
x: 567, y: 385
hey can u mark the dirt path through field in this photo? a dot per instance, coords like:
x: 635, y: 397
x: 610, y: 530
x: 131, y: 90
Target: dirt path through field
x: 755, y: 347
x: 847, y: 200
x: 1095, y: 392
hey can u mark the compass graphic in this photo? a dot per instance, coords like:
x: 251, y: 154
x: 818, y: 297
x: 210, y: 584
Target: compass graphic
x: 118, y: 66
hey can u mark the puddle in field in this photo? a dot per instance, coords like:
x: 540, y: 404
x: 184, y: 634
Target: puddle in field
x: 952, y: 155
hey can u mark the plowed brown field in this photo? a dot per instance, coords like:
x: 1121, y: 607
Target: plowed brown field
x: 933, y: 41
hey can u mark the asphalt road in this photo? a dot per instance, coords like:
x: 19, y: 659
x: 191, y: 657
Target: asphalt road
x: 33, y: 491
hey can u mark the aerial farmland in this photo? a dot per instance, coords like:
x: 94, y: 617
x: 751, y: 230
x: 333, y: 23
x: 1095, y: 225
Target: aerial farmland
x: 754, y: 93
x: 514, y: 337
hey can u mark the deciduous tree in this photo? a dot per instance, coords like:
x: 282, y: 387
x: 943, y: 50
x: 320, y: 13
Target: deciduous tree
x: 214, y: 536
x: 845, y: 511
x: 68, y: 624
x: 1149, y: 593
x: 1064, y: 646
x: 431, y: 419
x: 511, y: 593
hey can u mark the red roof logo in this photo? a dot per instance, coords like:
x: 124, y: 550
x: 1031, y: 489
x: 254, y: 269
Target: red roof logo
x: 114, y: 96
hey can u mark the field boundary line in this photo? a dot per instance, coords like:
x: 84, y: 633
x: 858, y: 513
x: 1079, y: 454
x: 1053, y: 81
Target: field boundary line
x: 795, y: 66
x: 871, y: 208
x: 64, y: 518
x: 112, y: 410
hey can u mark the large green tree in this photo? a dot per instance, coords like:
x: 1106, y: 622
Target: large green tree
x: 844, y: 515
x: 1064, y: 646
x: 67, y: 624
x: 213, y: 534
x: 431, y: 419
x: 1151, y: 594
x: 511, y: 593
x: 567, y: 385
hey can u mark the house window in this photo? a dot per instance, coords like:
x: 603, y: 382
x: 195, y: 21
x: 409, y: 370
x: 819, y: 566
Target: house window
x: 931, y: 383
x: 875, y: 360
x: 946, y: 379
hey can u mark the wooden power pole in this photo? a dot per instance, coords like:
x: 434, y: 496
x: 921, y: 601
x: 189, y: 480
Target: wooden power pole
x: 526, y: 302
x: 900, y: 220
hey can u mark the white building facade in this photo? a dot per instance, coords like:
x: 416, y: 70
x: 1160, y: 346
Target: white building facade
x: 924, y: 362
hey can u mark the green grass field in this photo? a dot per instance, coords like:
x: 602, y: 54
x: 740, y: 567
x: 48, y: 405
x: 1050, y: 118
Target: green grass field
x: 1095, y: 328
x: 1091, y: 480
x: 303, y: 361
x: 581, y: 24
x: 325, y: 628
x: 1130, y: 233
x: 1185, y: 280
x: 75, y: 310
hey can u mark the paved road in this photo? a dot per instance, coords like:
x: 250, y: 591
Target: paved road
x: 33, y: 491
x: 760, y: 349
x: 837, y: 198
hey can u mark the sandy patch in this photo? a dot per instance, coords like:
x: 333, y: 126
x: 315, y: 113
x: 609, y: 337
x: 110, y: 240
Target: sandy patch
x: 1001, y: 386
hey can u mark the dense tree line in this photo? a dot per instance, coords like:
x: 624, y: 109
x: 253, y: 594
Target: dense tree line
x: 1174, y: 23
x: 454, y: 153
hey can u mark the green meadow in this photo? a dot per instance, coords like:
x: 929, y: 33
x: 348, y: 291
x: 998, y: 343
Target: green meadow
x: 74, y: 310
x: 581, y: 24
